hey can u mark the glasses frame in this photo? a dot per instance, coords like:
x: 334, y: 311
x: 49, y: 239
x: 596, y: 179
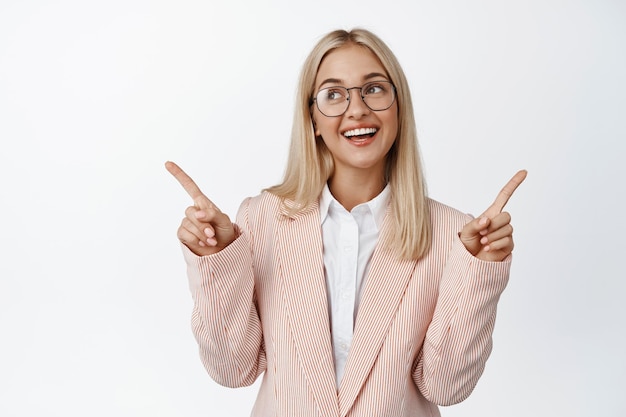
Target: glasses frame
x: 393, y: 89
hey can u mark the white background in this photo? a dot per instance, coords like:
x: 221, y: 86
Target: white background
x: 96, y: 95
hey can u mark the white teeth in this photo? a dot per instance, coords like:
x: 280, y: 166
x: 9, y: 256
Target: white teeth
x: 359, y: 132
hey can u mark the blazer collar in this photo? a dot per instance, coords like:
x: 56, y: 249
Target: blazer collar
x: 304, y: 295
x: 385, y: 285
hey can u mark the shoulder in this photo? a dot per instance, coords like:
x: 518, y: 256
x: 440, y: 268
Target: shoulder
x: 261, y: 207
x: 258, y: 215
x: 445, y: 217
x: 265, y: 201
x: 268, y: 206
x: 262, y: 214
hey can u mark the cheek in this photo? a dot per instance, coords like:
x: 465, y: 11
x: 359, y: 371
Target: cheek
x: 394, y: 122
x: 324, y: 126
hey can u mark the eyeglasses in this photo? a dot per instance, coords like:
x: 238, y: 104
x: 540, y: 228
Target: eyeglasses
x: 334, y: 101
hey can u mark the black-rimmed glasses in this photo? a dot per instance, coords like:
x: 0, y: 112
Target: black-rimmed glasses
x: 334, y: 101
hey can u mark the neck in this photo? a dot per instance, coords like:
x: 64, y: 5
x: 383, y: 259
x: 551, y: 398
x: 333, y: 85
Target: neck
x: 352, y: 190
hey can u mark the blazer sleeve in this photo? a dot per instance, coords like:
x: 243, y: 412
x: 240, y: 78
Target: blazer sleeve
x: 225, y: 319
x: 459, y: 339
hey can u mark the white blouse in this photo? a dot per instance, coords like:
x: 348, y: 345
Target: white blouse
x: 349, y: 240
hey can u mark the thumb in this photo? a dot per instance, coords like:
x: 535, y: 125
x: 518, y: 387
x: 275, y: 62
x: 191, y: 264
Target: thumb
x: 218, y: 225
x: 472, y: 232
x: 212, y: 214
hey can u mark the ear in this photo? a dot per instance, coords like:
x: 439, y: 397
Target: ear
x: 315, y: 129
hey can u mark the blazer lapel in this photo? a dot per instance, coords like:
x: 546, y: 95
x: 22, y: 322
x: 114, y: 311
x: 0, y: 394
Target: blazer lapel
x: 385, y: 284
x: 304, y: 293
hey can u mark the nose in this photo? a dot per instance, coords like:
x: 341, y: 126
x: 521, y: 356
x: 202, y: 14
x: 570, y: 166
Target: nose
x: 356, y: 106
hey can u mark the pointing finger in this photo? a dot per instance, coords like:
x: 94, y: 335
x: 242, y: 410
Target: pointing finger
x: 189, y: 185
x: 505, y: 194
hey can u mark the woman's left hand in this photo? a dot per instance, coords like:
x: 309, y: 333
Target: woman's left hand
x: 490, y: 236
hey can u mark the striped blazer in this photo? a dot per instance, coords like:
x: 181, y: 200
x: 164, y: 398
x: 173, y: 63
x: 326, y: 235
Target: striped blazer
x: 422, y: 335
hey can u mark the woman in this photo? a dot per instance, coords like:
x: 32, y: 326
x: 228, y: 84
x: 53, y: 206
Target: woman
x: 345, y: 286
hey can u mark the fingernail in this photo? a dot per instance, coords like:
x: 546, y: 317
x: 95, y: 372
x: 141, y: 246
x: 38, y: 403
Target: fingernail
x: 201, y: 243
x: 483, y: 221
x: 211, y: 241
x: 209, y: 232
x: 484, y: 240
x: 486, y: 248
x: 199, y: 214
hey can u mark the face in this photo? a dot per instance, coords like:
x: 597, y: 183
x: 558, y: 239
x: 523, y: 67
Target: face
x: 354, y: 149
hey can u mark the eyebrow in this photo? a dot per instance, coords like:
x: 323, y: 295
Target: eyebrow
x: 366, y: 78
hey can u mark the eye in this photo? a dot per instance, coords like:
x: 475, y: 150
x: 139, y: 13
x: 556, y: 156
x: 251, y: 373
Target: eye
x: 332, y: 94
x: 375, y: 88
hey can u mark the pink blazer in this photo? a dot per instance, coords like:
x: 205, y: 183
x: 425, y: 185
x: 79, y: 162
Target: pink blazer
x: 421, y: 338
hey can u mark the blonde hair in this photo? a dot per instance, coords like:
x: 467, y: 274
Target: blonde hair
x: 310, y: 163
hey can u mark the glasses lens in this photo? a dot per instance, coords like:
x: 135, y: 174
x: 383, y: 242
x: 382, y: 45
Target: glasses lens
x: 332, y: 101
x: 378, y: 95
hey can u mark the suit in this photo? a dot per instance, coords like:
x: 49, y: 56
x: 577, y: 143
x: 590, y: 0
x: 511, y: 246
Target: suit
x: 421, y: 337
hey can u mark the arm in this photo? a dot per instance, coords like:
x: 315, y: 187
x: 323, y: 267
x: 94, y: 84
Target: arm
x: 225, y: 321
x: 459, y: 338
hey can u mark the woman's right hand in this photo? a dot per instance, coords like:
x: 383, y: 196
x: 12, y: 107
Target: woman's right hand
x: 205, y: 230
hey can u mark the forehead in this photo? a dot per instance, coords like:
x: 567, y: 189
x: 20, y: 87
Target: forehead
x: 348, y: 65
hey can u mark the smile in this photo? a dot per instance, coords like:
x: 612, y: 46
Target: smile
x: 362, y: 133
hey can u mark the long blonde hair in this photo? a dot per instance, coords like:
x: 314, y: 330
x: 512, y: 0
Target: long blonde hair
x: 310, y: 163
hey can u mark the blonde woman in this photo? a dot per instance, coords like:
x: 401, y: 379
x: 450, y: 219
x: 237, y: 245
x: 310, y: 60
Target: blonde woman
x: 348, y: 289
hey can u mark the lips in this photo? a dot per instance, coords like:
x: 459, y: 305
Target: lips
x: 360, y: 133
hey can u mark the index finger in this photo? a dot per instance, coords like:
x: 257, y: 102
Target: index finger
x: 506, y: 193
x: 185, y: 180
